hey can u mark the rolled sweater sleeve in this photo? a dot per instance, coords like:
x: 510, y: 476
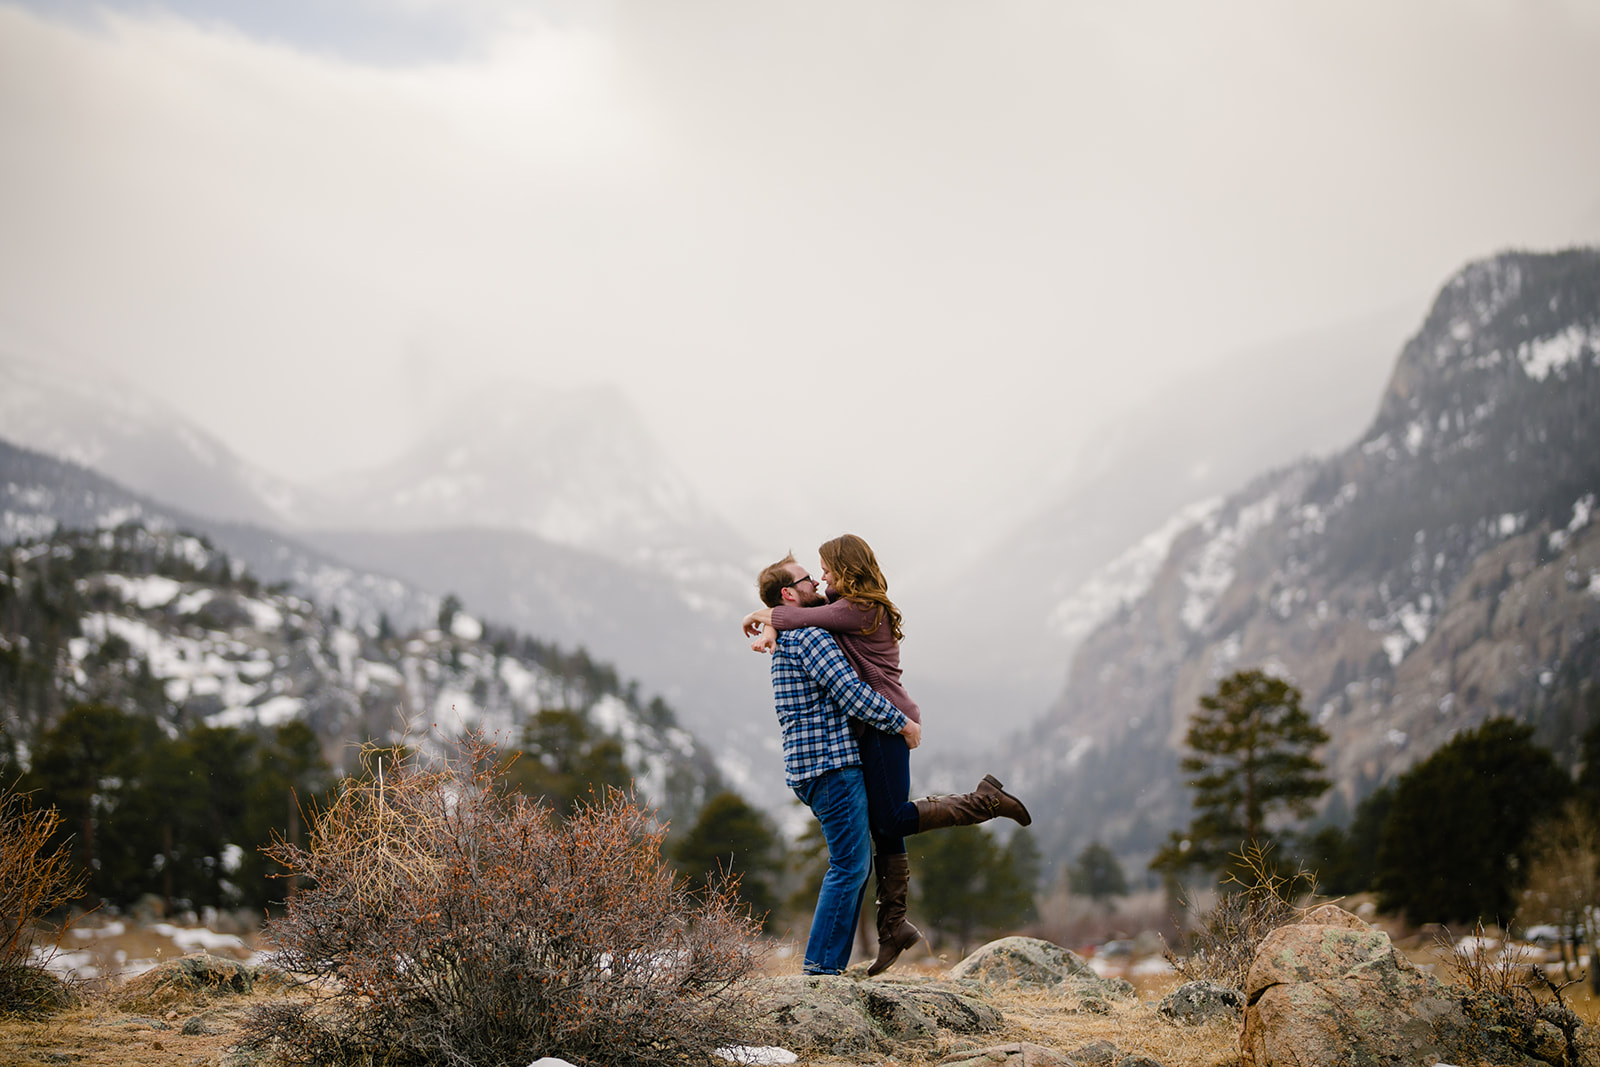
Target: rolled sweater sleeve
x: 822, y: 660
x: 838, y: 616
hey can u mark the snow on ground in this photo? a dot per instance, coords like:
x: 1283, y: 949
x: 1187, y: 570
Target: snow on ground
x: 1539, y: 358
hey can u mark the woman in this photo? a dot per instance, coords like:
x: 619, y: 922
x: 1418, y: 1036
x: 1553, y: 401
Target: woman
x: 867, y: 626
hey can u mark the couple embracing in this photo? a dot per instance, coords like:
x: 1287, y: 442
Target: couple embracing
x: 848, y: 730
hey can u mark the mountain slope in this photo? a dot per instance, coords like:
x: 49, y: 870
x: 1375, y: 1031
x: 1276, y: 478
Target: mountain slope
x: 566, y: 596
x: 1191, y: 441
x: 93, y: 419
x: 160, y: 623
x: 1441, y: 570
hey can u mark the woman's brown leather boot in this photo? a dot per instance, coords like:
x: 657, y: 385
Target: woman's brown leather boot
x: 986, y: 802
x: 895, y: 935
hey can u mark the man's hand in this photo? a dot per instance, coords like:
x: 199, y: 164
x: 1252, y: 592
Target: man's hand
x: 912, y: 733
x: 767, y: 642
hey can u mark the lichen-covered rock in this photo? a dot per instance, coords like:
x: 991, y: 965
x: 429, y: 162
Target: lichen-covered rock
x: 1096, y: 1054
x: 842, y: 1016
x: 1016, y: 1054
x: 1194, y: 1003
x: 1029, y: 962
x: 1335, y: 992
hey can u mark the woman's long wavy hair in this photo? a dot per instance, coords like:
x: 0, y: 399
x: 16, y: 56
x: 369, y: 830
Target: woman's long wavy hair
x: 857, y: 577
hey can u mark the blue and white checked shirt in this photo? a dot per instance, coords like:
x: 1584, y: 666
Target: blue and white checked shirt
x: 816, y: 691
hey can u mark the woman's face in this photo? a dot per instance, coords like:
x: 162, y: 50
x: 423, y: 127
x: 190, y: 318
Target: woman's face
x: 827, y: 576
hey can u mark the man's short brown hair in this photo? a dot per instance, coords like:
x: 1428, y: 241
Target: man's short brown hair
x: 773, y: 580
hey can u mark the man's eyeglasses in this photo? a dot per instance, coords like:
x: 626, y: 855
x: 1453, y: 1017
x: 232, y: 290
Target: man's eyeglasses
x: 797, y: 581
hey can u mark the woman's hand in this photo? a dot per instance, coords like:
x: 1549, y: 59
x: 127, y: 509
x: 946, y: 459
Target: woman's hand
x: 912, y: 733
x: 767, y: 642
x: 757, y: 620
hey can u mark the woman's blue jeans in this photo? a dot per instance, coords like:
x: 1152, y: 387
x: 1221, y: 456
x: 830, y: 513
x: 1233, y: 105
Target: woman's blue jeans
x: 886, y: 768
x: 839, y: 801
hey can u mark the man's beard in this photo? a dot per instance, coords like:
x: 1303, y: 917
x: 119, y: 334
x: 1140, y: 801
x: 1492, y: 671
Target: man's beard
x: 811, y: 598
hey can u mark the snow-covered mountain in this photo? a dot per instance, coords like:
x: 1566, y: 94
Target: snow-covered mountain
x: 998, y: 636
x: 91, y: 417
x: 1443, y: 569
x: 573, y: 467
x: 160, y: 622
x: 690, y: 656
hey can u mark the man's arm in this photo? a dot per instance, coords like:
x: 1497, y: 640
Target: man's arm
x: 820, y: 658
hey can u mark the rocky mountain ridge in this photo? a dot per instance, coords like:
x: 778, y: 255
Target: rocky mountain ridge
x: 563, y: 595
x: 1443, y: 569
x: 160, y: 622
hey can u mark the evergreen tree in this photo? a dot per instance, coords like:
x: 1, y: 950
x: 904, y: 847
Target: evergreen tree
x: 1344, y: 861
x: 1456, y: 844
x: 1251, y: 756
x: 1097, y: 874
x: 965, y: 882
x: 565, y: 759
x: 733, y: 839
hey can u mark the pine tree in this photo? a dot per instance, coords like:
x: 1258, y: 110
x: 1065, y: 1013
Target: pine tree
x: 732, y: 839
x: 1456, y: 844
x: 1097, y: 874
x: 1252, y: 759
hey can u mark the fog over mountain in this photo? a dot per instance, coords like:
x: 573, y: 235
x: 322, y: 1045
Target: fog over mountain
x: 583, y: 312
x: 1442, y: 569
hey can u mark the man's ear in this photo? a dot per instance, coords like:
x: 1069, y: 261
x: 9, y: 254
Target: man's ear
x: 788, y: 595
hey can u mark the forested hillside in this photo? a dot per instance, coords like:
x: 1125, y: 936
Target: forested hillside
x: 174, y: 708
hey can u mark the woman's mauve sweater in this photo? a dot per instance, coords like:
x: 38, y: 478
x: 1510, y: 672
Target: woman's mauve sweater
x: 875, y: 656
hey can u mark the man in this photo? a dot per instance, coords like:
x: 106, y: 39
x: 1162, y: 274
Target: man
x: 817, y: 693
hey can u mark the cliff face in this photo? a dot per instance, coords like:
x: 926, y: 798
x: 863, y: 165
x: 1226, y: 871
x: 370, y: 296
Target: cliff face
x: 1441, y: 570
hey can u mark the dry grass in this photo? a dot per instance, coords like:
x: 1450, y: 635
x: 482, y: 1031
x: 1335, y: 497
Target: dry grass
x: 103, y: 1034
x: 34, y: 881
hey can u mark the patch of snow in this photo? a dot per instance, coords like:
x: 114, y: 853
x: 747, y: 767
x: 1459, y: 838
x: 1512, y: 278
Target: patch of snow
x: 263, y: 616
x: 1414, y: 435
x: 232, y: 857
x: 1151, y: 965
x: 147, y: 591
x: 1539, y: 358
x: 1394, y: 646
x: 1507, y: 524
x: 1471, y: 947
x: 1397, y: 738
x: 190, y: 603
x: 753, y: 1054
x: 1379, y: 443
x: 466, y: 627
x: 383, y: 674
x: 1125, y: 578
x: 1212, y: 572
x: 1079, y: 748
x: 197, y: 938
x: 1594, y: 583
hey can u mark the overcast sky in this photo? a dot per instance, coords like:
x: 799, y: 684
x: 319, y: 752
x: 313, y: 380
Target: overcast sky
x: 891, y: 261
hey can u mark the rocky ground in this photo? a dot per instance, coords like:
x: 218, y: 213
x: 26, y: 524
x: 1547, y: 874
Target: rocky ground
x: 1017, y: 1002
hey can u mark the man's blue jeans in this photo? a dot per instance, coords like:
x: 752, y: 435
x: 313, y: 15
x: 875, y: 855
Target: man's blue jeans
x: 839, y: 801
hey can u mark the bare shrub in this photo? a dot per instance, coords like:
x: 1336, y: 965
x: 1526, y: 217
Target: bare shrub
x: 34, y: 881
x: 1256, y: 898
x: 452, y: 922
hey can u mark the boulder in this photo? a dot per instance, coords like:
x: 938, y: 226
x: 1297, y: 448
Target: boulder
x: 1194, y: 1003
x: 1016, y: 1054
x: 842, y: 1016
x: 1029, y: 963
x: 1331, y: 990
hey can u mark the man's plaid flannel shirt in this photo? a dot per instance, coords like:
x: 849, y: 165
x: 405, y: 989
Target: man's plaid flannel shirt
x: 816, y: 691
